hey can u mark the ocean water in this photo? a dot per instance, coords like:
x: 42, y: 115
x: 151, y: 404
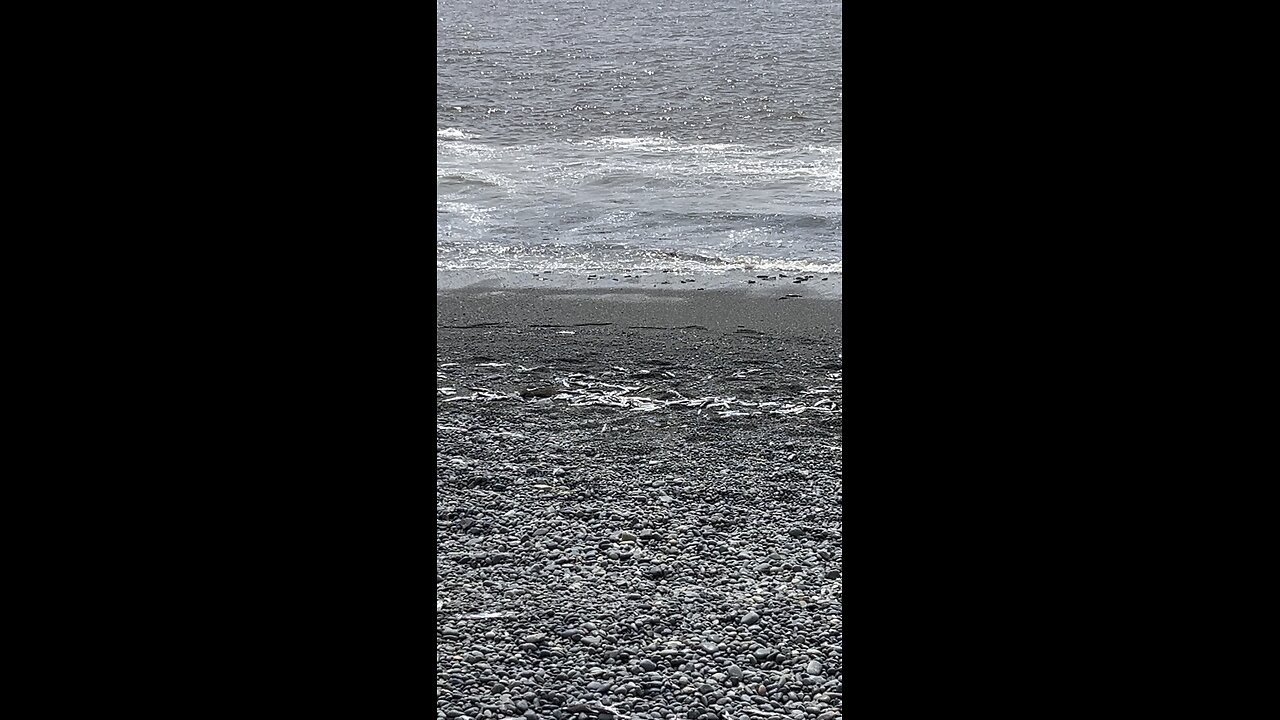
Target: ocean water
x: 603, y: 136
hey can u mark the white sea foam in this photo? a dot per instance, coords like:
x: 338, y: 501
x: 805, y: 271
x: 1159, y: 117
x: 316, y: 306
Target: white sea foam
x: 613, y: 204
x: 466, y: 212
x: 618, y: 259
x: 697, y: 166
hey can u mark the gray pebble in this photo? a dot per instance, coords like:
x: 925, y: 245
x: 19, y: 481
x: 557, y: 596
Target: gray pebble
x: 541, y: 557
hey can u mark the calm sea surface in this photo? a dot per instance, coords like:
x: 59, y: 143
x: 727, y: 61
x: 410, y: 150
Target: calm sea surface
x: 613, y: 135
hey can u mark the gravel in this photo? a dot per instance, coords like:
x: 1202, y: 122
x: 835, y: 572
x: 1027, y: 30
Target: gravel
x: 584, y: 594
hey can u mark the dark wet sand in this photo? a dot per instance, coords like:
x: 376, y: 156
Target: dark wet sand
x: 716, y: 312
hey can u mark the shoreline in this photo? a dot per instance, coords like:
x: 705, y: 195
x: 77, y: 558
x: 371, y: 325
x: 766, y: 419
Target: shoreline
x: 763, y: 282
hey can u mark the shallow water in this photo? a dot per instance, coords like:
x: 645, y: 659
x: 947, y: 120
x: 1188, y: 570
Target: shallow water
x: 613, y: 136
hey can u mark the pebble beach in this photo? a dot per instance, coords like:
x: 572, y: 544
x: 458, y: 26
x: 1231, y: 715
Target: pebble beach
x: 638, y: 503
